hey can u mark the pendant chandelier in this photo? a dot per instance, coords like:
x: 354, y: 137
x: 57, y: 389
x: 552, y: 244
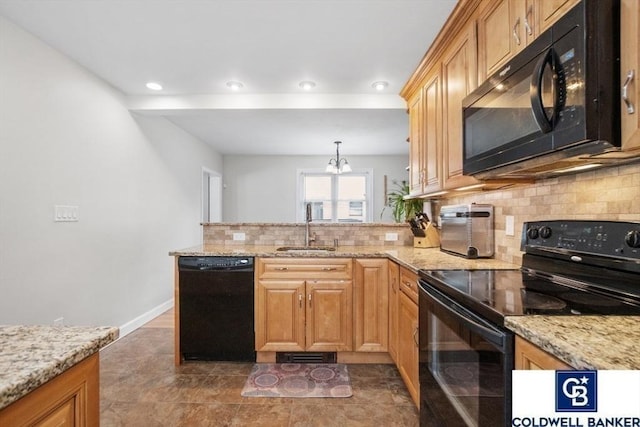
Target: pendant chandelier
x: 338, y: 165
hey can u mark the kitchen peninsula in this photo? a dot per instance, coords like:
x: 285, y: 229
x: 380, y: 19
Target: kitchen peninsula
x: 51, y: 374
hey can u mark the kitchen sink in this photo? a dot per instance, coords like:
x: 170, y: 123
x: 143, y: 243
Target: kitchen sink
x: 306, y: 249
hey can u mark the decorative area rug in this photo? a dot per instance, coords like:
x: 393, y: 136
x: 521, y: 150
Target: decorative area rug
x: 298, y: 380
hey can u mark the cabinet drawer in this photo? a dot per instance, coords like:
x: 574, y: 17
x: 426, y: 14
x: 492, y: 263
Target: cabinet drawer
x: 409, y: 284
x: 304, y: 268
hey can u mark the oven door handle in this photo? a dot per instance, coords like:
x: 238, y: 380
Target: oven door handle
x: 494, y: 336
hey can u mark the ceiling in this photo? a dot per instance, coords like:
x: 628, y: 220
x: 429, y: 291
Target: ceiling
x: 194, y: 47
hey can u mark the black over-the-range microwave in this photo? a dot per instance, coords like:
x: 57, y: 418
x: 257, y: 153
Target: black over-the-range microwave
x: 554, y: 105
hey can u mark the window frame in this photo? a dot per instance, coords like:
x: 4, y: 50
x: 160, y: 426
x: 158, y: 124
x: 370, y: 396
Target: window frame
x: 300, y: 200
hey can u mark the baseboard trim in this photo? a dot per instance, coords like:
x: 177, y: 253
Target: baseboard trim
x: 134, y: 324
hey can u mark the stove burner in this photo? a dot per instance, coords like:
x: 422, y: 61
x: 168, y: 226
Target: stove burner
x: 537, y: 301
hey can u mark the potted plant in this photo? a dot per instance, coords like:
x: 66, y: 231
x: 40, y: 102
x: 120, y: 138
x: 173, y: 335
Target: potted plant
x: 403, y: 209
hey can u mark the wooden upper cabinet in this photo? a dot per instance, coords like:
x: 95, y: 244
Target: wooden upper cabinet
x: 630, y: 62
x: 432, y: 140
x: 505, y: 27
x: 549, y: 11
x: 416, y: 144
x: 459, y: 78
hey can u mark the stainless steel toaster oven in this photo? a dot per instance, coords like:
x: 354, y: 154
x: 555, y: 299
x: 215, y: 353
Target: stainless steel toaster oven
x: 467, y: 230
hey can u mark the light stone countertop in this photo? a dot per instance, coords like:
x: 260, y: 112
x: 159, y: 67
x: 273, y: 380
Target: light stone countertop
x: 32, y: 355
x: 584, y: 342
x: 407, y: 256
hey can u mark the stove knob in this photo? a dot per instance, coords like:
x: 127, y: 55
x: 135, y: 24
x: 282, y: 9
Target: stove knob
x: 545, y: 232
x: 532, y: 233
x: 632, y: 239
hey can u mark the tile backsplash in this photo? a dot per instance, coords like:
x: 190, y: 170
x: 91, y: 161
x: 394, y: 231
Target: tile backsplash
x: 606, y: 194
x: 283, y: 234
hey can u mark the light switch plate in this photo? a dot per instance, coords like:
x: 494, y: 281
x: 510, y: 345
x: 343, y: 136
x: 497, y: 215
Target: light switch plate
x: 239, y: 236
x: 66, y: 213
x: 509, y: 228
x: 391, y: 237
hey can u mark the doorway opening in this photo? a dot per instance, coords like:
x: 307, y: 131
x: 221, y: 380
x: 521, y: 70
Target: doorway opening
x: 211, y: 196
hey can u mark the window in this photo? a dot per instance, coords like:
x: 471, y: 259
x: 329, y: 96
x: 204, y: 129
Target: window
x: 335, y: 198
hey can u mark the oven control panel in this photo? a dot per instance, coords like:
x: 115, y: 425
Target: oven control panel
x: 608, y: 238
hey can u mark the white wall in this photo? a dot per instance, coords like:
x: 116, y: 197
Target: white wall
x: 66, y: 138
x: 263, y: 188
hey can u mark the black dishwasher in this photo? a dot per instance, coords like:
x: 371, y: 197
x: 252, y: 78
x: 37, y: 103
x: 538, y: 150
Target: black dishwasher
x: 216, y: 308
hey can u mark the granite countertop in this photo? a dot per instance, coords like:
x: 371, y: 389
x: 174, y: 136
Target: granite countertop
x: 32, y: 355
x: 584, y: 342
x: 407, y: 256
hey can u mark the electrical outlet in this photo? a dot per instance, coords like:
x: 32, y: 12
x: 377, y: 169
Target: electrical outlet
x: 391, y: 237
x: 59, y: 321
x: 509, y: 228
x: 239, y: 236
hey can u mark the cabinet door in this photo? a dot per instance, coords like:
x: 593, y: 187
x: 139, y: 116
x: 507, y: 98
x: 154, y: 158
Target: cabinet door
x: 630, y: 61
x: 329, y: 320
x: 408, y: 345
x: 416, y: 144
x: 459, y: 79
x: 69, y: 400
x: 394, y: 289
x: 62, y: 416
x: 279, y: 314
x: 432, y: 150
x: 505, y: 27
x: 371, y: 307
x: 495, y: 37
x: 531, y: 357
x: 549, y: 11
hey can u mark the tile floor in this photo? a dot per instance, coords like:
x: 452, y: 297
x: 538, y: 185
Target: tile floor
x: 141, y: 387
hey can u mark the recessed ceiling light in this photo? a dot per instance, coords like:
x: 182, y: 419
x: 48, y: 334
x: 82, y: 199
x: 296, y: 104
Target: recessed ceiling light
x: 233, y: 85
x: 380, y: 85
x: 307, y: 85
x: 154, y: 86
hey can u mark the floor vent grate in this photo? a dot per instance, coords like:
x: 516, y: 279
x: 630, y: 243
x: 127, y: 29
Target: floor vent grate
x: 304, y: 357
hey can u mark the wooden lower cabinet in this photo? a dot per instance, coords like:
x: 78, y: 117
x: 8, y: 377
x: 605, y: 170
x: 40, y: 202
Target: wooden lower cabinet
x: 530, y: 357
x: 371, y: 304
x: 69, y: 400
x: 329, y: 317
x: 367, y: 311
x: 298, y: 315
x: 407, y: 359
x: 408, y: 345
x: 280, y: 315
x: 293, y: 313
x: 394, y: 296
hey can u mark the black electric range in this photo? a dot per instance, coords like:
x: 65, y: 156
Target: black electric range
x: 466, y: 355
x: 569, y: 268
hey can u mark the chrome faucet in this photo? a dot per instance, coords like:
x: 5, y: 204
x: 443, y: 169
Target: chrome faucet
x: 307, y: 237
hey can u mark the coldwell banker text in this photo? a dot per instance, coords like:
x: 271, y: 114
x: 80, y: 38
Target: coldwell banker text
x: 575, y: 422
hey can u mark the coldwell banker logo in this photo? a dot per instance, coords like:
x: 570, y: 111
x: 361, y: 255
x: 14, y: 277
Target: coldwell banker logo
x: 576, y: 391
